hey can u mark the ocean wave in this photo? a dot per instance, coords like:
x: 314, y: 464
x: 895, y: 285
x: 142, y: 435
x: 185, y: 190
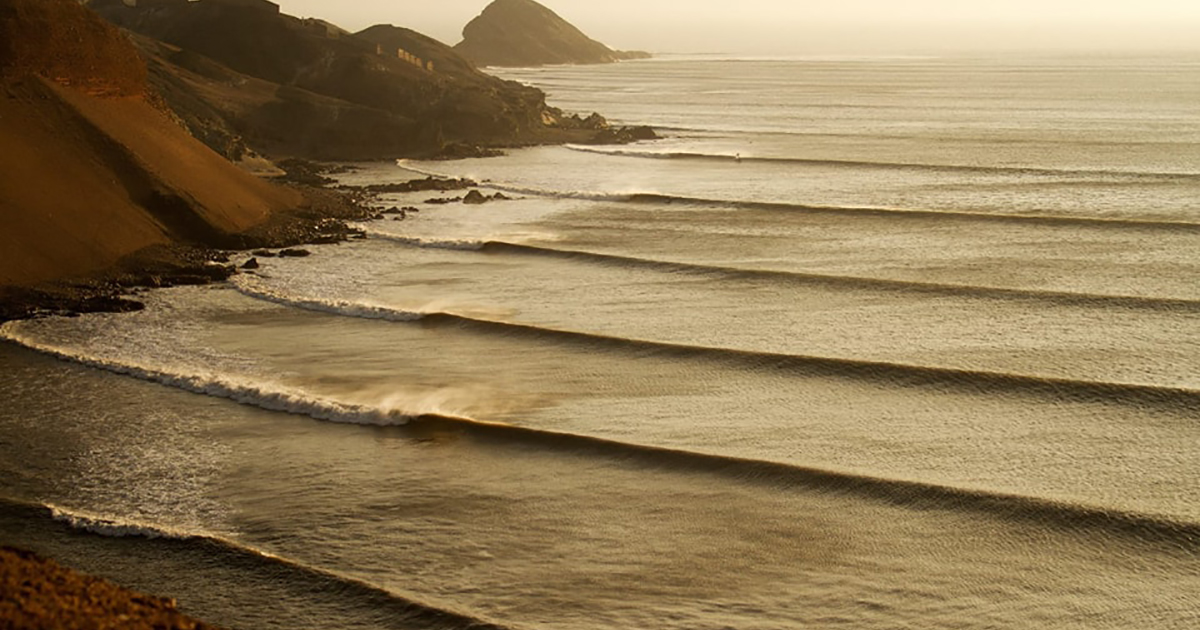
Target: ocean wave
x: 654, y: 198
x: 732, y: 156
x: 1064, y: 298
x: 264, y: 395
x: 251, y: 288
x: 887, y: 373
x: 369, y: 598
x: 892, y: 374
x: 428, y: 243
x: 508, y: 187
x: 1180, y: 535
x: 1061, y: 298
x: 113, y: 527
x: 903, y: 213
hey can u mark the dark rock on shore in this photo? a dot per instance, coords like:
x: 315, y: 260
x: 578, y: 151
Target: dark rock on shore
x: 477, y: 198
x: 160, y: 266
x: 308, y: 173
x: 624, y: 135
x: 251, y: 264
x: 417, y: 185
x: 525, y: 33
x: 294, y: 253
x: 461, y: 151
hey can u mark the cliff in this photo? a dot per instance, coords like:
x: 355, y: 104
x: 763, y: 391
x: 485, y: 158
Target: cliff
x: 94, y: 170
x: 241, y: 77
x: 524, y: 33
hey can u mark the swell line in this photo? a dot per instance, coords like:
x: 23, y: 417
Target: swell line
x: 894, y: 374
x: 268, y: 396
x: 1183, y: 535
x: 904, y: 166
x: 369, y: 596
x: 899, y: 492
x: 900, y: 374
x: 1035, y: 219
x: 853, y: 282
x: 654, y: 198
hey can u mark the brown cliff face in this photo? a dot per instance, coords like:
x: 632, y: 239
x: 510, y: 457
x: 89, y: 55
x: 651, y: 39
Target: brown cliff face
x: 524, y: 33
x: 93, y: 171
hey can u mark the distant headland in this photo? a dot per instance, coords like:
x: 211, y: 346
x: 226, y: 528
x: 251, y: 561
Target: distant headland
x: 519, y: 33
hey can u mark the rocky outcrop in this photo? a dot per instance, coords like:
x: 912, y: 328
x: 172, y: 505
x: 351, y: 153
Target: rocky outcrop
x: 524, y: 33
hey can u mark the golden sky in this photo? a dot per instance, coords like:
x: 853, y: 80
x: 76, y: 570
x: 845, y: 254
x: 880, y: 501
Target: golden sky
x: 810, y: 27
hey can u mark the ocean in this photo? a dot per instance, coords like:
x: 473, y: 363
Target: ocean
x: 877, y: 342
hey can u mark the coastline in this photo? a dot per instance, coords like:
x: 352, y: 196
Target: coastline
x: 321, y: 220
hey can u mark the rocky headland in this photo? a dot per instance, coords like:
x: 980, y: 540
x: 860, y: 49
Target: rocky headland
x: 249, y: 80
x: 520, y: 33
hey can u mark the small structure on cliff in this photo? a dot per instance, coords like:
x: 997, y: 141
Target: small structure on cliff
x: 405, y: 56
x: 260, y: 5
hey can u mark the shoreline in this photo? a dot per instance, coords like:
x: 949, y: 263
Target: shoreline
x: 321, y: 220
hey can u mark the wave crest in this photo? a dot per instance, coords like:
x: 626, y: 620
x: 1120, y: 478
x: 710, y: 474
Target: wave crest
x: 268, y: 396
x: 650, y: 153
x: 112, y: 527
x: 656, y: 198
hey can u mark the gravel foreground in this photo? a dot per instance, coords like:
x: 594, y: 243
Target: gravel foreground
x: 37, y: 594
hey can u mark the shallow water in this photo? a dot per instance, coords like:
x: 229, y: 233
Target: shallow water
x: 876, y: 343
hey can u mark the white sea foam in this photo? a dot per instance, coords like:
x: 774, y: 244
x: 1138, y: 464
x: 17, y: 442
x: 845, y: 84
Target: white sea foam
x: 264, y: 395
x: 429, y: 243
x: 113, y: 527
x: 648, y: 153
x: 251, y: 287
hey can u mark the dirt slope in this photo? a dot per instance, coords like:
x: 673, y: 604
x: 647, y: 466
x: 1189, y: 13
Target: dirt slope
x: 91, y: 169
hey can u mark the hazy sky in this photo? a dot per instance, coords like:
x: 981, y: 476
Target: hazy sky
x: 827, y: 26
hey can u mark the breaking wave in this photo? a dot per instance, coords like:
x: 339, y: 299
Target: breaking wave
x: 741, y: 274
x: 261, y: 567
x: 113, y: 527
x: 892, y: 374
x: 269, y: 396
